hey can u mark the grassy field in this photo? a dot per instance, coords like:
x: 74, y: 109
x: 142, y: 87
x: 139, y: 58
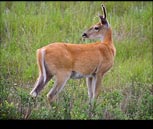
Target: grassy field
x: 127, y: 90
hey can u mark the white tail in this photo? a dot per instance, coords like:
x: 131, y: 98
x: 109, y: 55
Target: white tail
x: 43, y: 64
x: 65, y: 61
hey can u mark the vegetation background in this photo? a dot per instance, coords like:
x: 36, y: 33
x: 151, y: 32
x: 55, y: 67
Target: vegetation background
x: 127, y: 90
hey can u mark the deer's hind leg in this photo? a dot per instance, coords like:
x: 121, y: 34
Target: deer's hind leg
x: 44, y: 74
x: 40, y: 83
x: 60, y: 80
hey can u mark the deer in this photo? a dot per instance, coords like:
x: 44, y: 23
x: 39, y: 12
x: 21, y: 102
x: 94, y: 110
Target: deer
x: 66, y: 61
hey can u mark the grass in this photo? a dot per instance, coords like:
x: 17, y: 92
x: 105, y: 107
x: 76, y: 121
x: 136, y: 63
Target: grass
x: 127, y: 90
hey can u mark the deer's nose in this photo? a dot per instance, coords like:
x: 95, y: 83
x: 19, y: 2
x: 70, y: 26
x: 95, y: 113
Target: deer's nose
x: 84, y: 35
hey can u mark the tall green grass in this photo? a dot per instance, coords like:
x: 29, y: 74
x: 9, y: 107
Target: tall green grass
x: 126, y: 90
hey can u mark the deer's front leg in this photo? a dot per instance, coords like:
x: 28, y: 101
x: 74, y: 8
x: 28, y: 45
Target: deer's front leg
x: 89, y: 86
x: 96, y: 85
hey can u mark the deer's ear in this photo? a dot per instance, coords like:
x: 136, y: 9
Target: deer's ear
x: 104, y: 11
x: 103, y: 20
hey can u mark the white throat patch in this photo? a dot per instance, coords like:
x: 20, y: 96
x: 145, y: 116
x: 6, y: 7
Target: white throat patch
x: 102, y: 38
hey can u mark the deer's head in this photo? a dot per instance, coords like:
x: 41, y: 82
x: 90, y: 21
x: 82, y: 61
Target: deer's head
x: 98, y: 30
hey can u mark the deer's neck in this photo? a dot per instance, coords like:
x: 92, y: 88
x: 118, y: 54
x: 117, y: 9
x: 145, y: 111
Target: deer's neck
x: 108, y: 39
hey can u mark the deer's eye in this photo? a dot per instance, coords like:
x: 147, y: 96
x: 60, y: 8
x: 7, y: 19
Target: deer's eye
x: 96, y: 28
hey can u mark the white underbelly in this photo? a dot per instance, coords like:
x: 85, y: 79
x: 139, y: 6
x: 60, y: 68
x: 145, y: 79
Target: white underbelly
x: 77, y: 75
